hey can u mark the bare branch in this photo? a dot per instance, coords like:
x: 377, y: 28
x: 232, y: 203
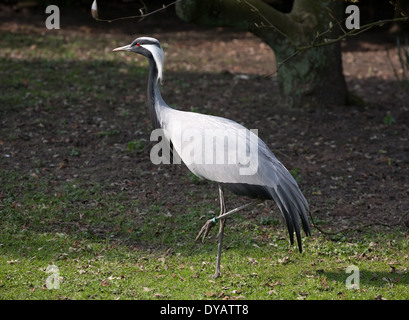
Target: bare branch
x: 397, y: 6
x: 326, y: 42
x: 254, y: 9
x: 352, y: 32
x: 94, y: 12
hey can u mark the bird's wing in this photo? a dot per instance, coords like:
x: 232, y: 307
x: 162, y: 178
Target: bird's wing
x: 226, y: 152
x: 206, y: 143
x: 222, y: 150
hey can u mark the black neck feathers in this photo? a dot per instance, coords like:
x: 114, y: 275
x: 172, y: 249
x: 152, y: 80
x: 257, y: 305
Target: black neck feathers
x: 153, y: 93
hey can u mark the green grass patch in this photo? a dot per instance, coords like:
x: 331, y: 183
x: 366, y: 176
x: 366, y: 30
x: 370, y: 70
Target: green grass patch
x: 103, y: 250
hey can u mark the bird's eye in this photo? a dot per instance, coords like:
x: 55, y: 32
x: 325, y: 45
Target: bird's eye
x: 138, y: 44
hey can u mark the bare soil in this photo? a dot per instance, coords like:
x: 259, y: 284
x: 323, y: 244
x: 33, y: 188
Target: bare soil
x: 352, y: 161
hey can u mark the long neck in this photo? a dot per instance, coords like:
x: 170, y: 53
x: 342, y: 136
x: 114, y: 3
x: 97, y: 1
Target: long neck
x: 155, y: 100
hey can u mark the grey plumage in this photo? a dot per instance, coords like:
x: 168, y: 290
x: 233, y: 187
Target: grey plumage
x: 270, y: 181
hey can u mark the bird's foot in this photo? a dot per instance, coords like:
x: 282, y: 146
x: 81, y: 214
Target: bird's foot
x: 205, y: 229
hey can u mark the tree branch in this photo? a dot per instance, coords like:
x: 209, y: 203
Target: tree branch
x: 350, y: 33
x: 94, y: 12
x: 266, y: 20
x: 247, y: 15
x: 326, y: 42
x: 397, y: 7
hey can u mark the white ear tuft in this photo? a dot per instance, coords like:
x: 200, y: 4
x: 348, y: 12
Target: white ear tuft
x: 158, y: 56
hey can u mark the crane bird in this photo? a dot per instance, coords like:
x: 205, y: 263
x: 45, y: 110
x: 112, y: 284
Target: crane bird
x: 269, y: 179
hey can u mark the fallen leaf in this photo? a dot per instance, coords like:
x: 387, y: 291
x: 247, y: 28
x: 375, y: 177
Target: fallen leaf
x: 277, y: 283
x: 209, y: 294
x: 13, y: 261
x: 284, y: 260
x: 324, y: 284
x: 105, y: 283
x: 62, y: 165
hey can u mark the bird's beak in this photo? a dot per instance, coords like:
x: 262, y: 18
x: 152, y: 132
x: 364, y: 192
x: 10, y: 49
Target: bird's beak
x: 124, y: 48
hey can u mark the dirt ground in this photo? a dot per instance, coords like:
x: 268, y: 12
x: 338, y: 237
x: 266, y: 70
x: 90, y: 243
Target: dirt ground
x: 352, y: 161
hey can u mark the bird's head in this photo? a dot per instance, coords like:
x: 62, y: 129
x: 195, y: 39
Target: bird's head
x: 148, y: 47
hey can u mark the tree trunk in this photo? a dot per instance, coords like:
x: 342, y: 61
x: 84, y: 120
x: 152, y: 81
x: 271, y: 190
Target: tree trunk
x: 312, y: 77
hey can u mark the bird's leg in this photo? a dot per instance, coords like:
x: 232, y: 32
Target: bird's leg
x: 205, y: 229
x: 212, y: 222
x: 220, y: 235
x: 222, y: 217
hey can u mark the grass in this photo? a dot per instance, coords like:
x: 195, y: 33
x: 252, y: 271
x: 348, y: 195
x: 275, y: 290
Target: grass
x: 107, y: 245
x: 103, y: 251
